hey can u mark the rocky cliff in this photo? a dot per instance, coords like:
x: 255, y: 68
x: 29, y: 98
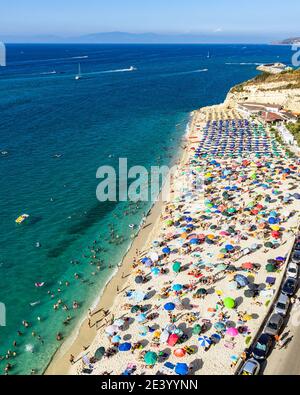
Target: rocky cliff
x: 282, y: 89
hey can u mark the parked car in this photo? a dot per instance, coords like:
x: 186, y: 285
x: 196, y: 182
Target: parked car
x: 262, y: 347
x: 274, y: 325
x: 250, y: 368
x: 282, y: 305
x: 297, y: 246
x: 290, y: 286
x: 292, y: 270
x: 296, y: 257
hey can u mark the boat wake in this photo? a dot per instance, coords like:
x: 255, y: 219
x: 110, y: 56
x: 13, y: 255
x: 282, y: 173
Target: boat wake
x: 244, y: 64
x: 119, y: 70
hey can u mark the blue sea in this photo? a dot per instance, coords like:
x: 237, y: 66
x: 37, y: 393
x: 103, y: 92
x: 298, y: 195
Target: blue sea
x: 58, y: 132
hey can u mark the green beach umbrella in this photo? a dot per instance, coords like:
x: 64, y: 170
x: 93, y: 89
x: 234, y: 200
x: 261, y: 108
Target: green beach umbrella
x: 177, y: 267
x: 229, y: 303
x: 270, y: 268
x: 150, y: 358
x: 197, y: 329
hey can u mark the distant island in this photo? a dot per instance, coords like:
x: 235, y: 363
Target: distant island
x: 289, y: 41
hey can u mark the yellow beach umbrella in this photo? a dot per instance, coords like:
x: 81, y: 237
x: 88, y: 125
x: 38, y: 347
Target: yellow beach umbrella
x: 219, y: 293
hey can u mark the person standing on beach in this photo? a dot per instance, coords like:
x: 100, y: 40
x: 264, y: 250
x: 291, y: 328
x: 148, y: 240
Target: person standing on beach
x: 72, y: 359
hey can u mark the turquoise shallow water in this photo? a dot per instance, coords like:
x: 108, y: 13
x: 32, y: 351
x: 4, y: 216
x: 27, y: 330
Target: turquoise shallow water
x: 110, y: 113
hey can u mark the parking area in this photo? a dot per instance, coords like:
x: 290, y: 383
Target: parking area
x: 276, y: 349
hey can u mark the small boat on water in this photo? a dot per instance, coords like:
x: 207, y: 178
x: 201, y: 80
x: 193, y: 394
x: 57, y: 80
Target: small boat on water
x: 22, y: 218
x: 208, y: 55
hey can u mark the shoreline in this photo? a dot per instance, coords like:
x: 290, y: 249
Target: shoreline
x: 82, y: 336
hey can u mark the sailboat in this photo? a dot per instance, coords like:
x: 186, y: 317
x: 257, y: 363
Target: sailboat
x: 78, y: 76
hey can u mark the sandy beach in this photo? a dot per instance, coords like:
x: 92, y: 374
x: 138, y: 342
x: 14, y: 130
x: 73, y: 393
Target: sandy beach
x: 198, y: 313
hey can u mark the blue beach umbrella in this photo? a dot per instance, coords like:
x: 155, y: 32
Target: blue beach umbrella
x: 155, y: 271
x: 125, y: 347
x: 116, y: 339
x: 169, y: 306
x: 182, y: 369
x: 204, y: 341
x: 141, y: 318
x: 241, y: 280
x: 166, y: 250
x: 177, y: 287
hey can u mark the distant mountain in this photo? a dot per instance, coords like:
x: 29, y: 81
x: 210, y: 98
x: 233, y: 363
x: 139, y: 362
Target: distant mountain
x: 143, y: 38
x: 289, y: 41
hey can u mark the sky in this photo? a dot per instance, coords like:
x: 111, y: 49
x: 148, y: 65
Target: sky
x: 276, y: 19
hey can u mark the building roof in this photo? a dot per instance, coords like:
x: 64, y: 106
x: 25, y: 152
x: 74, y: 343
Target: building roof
x: 271, y: 117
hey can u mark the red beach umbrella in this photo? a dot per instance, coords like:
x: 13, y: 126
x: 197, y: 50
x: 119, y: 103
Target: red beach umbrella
x: 173, y: 339
x: 180, y: 353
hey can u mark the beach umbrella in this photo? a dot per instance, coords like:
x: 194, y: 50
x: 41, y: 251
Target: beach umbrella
x: 248, y: 266
x: 125, y: 347
x: 204, y: 341
x: 182, y: 369
x: 143, y: 330
x: 164, y: 336
x: 241, y: 280
x: 111, y: 330
x: 197, y: 329
x: 201, y: 291
x: 247, y: 317
x: 155, y: 271
x: 177, y: 287
x: 233, y: 332
x: 139, y: 280
x: 221, y: 267
x: 169, y: 222
x: 150, y: 358
x: 180, y: 353
x: 173, y: 340
x: 154, y: 256
x: 229, y: 303
x: 229, y: 247
x: 166, y: 250
x: 176, y: 267
x: 119, y: 323
x: 194, y: 241
x: 116, y: 339
x: 147, y: 262
x: 135, y: 309
x: 220, y: 326
x: 99, y: 353
x: 269, y: 244
x: 141, y: 318
x: 271, y: 268
x: 169, y: 306
x: 138, y: 296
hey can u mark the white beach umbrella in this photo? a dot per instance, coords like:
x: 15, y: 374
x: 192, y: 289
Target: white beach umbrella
x: 112, y: 330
